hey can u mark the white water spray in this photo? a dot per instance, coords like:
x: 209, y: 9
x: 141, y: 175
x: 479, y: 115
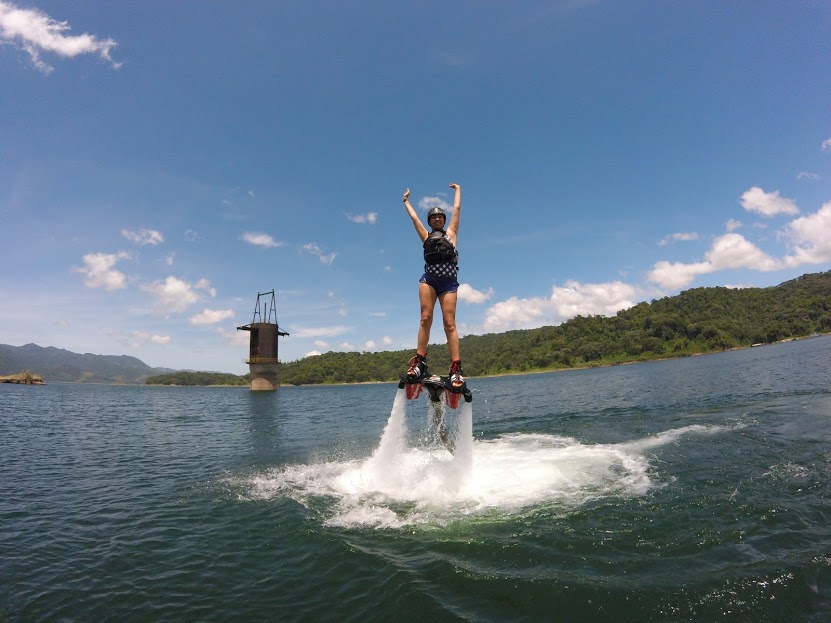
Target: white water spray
x: 395, y: 432
x: 462, y: 466
x: 404, y: 484
x: 430, y: 471
x: 464, y: 435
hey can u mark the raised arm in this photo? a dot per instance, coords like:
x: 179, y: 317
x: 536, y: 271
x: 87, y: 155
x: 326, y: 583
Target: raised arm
x: 453, y: 228
x: 421, y: 230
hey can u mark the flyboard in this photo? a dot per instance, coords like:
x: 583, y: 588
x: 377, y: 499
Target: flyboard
x: 437, y: 387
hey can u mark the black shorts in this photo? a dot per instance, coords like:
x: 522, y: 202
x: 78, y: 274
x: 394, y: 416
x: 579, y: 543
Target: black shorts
x: 442, y: 285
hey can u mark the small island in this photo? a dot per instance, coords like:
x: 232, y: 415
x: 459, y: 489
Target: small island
x: 24, y: 378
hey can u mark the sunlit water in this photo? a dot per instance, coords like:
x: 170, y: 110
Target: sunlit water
x: 686, y: 490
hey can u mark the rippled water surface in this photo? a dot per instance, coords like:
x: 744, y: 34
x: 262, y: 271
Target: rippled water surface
x: 686, y: 490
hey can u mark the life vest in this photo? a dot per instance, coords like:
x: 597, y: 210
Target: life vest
x: 439, y: 250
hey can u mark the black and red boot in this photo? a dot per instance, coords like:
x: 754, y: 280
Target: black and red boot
x: 417, y: 369
x: 457, y: 379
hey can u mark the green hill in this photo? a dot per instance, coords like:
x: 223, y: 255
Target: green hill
x: 58, y: 365
x: 701, y: 320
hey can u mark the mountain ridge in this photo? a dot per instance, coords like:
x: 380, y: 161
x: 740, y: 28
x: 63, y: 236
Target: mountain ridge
x: 60, y: 365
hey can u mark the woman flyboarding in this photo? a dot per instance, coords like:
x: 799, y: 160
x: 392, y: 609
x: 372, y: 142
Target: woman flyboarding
x: 439, y: 282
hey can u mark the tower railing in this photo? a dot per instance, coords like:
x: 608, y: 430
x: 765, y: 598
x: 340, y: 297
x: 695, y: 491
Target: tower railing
x: 251, y: 360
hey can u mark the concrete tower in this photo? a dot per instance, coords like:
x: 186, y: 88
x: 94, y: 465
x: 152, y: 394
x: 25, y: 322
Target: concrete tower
x: 262, y: 351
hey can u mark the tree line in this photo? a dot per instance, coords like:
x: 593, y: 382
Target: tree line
x: 198, y: 378
x: 700, y: 320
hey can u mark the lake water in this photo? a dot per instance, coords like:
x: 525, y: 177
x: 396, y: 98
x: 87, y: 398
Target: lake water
x: 696, y: 489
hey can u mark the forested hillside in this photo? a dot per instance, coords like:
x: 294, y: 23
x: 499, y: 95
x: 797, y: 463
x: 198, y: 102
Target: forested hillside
x: 201, y: 379
x: 700, y: 320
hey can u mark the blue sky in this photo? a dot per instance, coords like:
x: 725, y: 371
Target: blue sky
x: 162, y: 162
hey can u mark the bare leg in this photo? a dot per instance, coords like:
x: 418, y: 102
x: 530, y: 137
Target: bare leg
x: 448, y: 313
x: 427, y: 298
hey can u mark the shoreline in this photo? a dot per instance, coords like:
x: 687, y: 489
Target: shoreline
x: 585, y: 367
x: 37, y: 380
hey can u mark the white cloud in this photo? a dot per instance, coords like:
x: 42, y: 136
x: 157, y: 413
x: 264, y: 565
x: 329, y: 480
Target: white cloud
x: 176, y: 295
x: 204, y: 284
x: 317, y: 332
x: 592, y: 298
x: 170, y: 258
x: 368, y: 345
x: 136, y: 339
x: 426, y: 203
x: 452, y: 59
x: 211, y: 316
x: 807, y: 175
x: 468, y: 294
x: 675, y: 275
x: 346, y: 346
x: 99, y: 272
x: 729, y: 251
x: 386, y: 340
x: 369, y: 217
x: 679, y: 237
x: 732, y: 225
x: 516, y: 313
x: 767, y: 204
x: 312, y: 353
x: 565, y: 302
x: 143, y: 237
x: 826, y: 144
x: 735, y: 251
x: 810, y: 236
x: 35, y: 32
x: 685, y: 236
x: 192, y: 236
x: 237, y: 339
x: 321, y: 344
x: 315, y: 250
x: 260, y: 239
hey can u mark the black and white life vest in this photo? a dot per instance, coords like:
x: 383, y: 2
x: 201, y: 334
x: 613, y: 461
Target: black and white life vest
x: 438, y: 249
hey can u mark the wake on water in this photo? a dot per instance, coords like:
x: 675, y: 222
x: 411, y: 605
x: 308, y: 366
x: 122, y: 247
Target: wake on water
x: 401, y: 485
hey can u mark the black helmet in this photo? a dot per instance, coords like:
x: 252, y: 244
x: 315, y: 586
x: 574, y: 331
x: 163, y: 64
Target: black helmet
x: 434, y: 211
